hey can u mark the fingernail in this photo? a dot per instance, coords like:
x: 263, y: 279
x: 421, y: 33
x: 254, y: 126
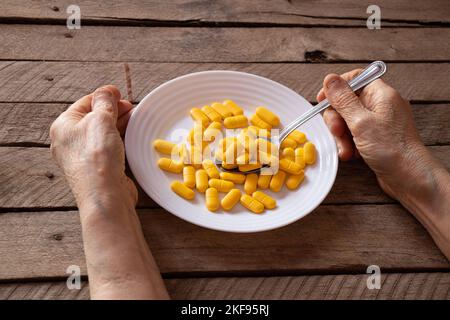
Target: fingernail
x: 101, y: 94
x: 333, y: 82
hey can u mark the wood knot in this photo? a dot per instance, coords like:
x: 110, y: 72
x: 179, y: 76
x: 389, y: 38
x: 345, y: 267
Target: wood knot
x: 49, y: 175
x: 316, y: 56
x: 54, y: 8
x: 58, y: 237
x: 48, y: 78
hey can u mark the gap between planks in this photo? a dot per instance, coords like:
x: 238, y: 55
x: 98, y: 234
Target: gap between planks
x: 232, y: 12
x: 331, y: 287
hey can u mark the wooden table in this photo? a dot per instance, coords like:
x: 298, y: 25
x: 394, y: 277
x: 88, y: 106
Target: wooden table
x: 44, y: 67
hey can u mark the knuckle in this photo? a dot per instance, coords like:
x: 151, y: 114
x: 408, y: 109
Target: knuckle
x: 345, y: 99
x: 359, y: 124
x: 54, y: 129
x: 103, y: 115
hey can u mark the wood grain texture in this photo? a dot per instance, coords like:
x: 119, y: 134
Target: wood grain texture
x: 332, y: 239
x: 29, y: 178
x: 160, y: 44
x: 27, y: 124
x: 25, y: 81
x: 395, y: 286
x: 346, y: 13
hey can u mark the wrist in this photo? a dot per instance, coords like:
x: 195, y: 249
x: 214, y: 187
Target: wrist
x: 102, y: 188
x: 418, y: 180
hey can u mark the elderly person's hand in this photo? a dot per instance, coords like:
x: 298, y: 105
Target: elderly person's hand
x: 87, y: 144
x: 378, y: 125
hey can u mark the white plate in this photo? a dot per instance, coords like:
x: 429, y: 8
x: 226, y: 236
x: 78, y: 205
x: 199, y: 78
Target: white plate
x: 166, y: 109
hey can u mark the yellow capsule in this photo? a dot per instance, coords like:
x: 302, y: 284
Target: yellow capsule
x: 260, y: 123
x: 180, y: 189
x: 235, y: 122
x: 212, y: 199
x: 222, y: 110
x: 190, y: 137
x: 196, y: 156
x: 237, y: 178
x: 297, y: 136
x: 231, y: 152
x: 201, y: 180
x: 268, y: 116
x: 265, y: 146
x: 251, y: 183
x: 276, y: 183
x: 229, y: 166
x: 212, y: 114
x: 221, y: 185
x: 258, y: 132
x: 265, y: 158
x: 227, y: 142
x: 243, y: 158
x: 189, y: 176
x: 170, y: 165
x: 289, y: 154
x: 299, y: 158
x: 195, y: 136
x: 309, y: 153
x: 233, y: 107
x: 266, y: 200
x: 294, y: 180
x: 290, y: 166
x: 212, y: 131
x: 164, y: 146
x: 264, y: 181
x: 210, y: 168
x: 288, y: 143
x: 249, y: 167
x: 252, y: 204
x: 218, y: 155
x: 181, y: 152
x: 199, y: 115
x: 230, y: 199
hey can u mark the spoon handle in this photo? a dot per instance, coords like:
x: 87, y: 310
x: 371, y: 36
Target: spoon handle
x: 372, y: 72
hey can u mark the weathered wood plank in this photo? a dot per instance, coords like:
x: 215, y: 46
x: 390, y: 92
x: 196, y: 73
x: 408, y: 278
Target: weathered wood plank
x: 29, y: 123
x: 22, y: 81
x: 161, y: 44
x: 347, y: 13
x: 332, y: 239
x: 29, y: 178
x: 396, y: 286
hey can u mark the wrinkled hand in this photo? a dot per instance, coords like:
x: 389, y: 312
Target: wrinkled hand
x: 86, y: 143
x: 377, y: 125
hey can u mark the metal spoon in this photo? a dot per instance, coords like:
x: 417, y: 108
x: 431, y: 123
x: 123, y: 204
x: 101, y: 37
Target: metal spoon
x: 372, y: 72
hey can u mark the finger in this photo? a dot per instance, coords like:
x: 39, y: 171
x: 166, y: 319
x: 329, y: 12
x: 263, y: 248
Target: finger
x: 122, y: 122
x: 81, y: 106
x: 345, y: 145
x: 335, y: 122
x: 124, y: 107
x: 106, y: 99
x: 347, y: 76
x: 344, y: 100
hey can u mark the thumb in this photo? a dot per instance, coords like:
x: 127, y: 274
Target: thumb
x: 343, y: 99
x: 106, y: 99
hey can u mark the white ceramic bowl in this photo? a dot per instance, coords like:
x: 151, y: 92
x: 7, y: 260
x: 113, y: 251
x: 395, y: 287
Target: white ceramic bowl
x: 165, y: 110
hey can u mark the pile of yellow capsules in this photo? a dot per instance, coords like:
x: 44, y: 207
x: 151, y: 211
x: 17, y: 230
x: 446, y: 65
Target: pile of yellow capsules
x: 248, y: 150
